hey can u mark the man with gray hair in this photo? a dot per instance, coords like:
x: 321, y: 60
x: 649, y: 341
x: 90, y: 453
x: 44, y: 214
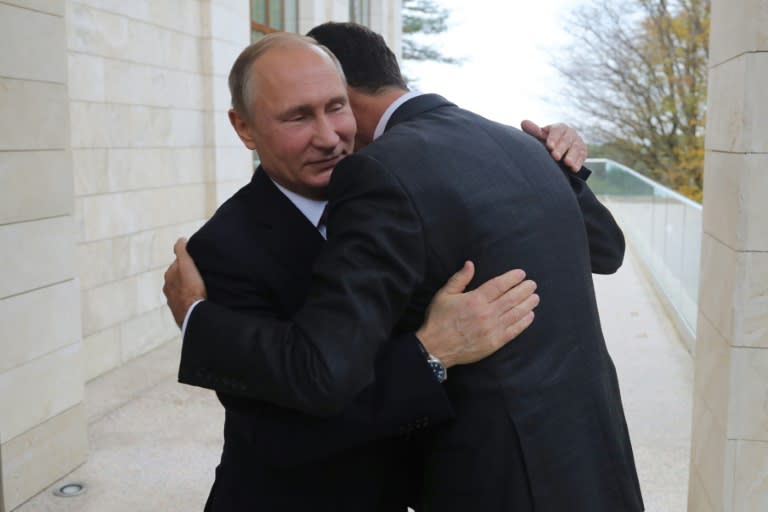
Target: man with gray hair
x: 290, y: 105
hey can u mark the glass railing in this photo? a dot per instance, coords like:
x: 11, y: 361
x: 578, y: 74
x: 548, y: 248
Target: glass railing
x: 663, y: 227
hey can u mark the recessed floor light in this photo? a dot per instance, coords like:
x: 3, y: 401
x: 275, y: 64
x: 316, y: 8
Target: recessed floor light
x: 70, y: 490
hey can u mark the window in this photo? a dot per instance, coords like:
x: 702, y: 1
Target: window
x: 360, y: 11
x: 273, y: 16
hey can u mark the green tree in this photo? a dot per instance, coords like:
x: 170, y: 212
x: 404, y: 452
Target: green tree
x: 420, y: 18
x: 637, y: 75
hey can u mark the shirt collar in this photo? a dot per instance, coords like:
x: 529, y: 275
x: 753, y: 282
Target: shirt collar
x: 382, y: 125
x: 311, y: 208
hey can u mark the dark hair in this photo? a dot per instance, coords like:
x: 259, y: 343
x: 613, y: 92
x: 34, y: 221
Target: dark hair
x: 367, y: 61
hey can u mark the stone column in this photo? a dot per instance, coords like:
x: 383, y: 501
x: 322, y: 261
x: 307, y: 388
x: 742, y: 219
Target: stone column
x: 42, y: 423
x: 729, y: 459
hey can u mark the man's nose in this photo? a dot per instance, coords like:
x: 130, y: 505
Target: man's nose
x: 326, y: 135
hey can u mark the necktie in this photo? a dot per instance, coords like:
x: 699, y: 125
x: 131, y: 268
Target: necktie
x: 322, y: 222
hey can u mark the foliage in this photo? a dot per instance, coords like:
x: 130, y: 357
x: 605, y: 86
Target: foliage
x: 424, y: 17
x: 637, y: 73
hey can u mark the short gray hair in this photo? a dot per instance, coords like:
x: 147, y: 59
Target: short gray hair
x: 240, y: 75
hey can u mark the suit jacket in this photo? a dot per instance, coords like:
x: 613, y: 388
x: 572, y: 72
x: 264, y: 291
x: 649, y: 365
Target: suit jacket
x: 539, y: 424
x: 256, y: 256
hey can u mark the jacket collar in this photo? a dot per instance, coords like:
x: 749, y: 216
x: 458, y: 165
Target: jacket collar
x: 416, y: 106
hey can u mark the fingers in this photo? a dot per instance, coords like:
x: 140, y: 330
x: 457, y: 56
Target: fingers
x: 514, y: 330
x: 459, y: 281
x: 566, y: 144
x: 576, y: 156
x: 514, y: 297
x: 499, y: 285
x: 560, y: 139
x: 180, y: 248
x: 532, y: 128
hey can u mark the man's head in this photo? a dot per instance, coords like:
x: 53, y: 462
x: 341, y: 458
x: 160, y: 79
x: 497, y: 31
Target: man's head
x: 290, y: 104
x: 372, y: 72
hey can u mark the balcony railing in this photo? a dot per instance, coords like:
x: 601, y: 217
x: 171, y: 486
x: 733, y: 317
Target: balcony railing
x: 664, y: 228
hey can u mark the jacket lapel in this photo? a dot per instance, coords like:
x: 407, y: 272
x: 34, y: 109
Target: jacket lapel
x: 286, y: 232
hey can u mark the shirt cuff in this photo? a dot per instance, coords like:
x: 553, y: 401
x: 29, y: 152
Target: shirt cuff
x: 186, y: 317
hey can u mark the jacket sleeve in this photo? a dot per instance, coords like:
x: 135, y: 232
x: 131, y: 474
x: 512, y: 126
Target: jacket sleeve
x: 318, y: 362
x: 606, y: 240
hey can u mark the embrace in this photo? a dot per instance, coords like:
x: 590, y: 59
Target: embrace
x: 364, y: 307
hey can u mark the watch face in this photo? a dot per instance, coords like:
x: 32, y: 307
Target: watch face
x: 438, y: 370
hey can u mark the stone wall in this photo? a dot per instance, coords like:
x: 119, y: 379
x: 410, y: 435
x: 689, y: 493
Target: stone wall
x: 152, y: 153
x: 729, y: 459
x: 42, y: 426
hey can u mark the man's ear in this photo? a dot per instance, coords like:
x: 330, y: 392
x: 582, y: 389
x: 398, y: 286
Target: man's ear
x: 242, y: 128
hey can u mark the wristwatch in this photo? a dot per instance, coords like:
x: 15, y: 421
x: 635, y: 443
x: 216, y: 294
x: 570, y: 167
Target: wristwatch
x: 438, y: 368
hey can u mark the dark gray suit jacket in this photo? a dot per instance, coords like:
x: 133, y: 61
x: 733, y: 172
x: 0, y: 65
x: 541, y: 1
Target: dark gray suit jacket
x: 441, y: 186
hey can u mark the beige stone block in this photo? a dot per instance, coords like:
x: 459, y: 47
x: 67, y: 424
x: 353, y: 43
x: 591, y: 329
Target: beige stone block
x: 95, y: 31
x: 737, y: 115
x: 122, y: 79
x: 221, y: 98
x: 225, y: 135
x: 224, y: 55
x: 751, y: 326
x: 108, y: 305
x: 710, y: 457
x: 234, y: 164
x: 735, y: 210
x: 107, y: 216
x: 751, y: 477
x: 102, y: 352
x: 162, y: 242
x: 191, y: 164
x: 180, y: 15
x: 738, y: 27
x: 34, y: 185
x: 140, y: 126
x: 87, y: 77
x: 97, y: 263
x: 90, y: 171
x: 698, y: 499
x: 145, y: 332
x: 719, y: 280
x: 32, y: 45
x: 748, y: 415
x: 712, y: 371
x: 230, y: 25
x: 46, y: 6
x: 149, y: 290
x: 36, y: 323
x: 34, y: 115
x: 37, y: 458
x: 89, y: 126
x: 130, y: 169
x: 39, y: 390
x: 36, y: 254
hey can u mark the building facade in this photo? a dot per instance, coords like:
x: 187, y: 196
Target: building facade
x: 114, y: 142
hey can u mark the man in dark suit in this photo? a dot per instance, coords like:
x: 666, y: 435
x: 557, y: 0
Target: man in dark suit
x: 539, y: 423
x: 255, y: 255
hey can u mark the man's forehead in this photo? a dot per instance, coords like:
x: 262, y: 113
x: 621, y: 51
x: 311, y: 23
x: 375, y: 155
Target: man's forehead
x: 286, y: 71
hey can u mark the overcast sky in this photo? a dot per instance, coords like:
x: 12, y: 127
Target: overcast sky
x: 507, y: 75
